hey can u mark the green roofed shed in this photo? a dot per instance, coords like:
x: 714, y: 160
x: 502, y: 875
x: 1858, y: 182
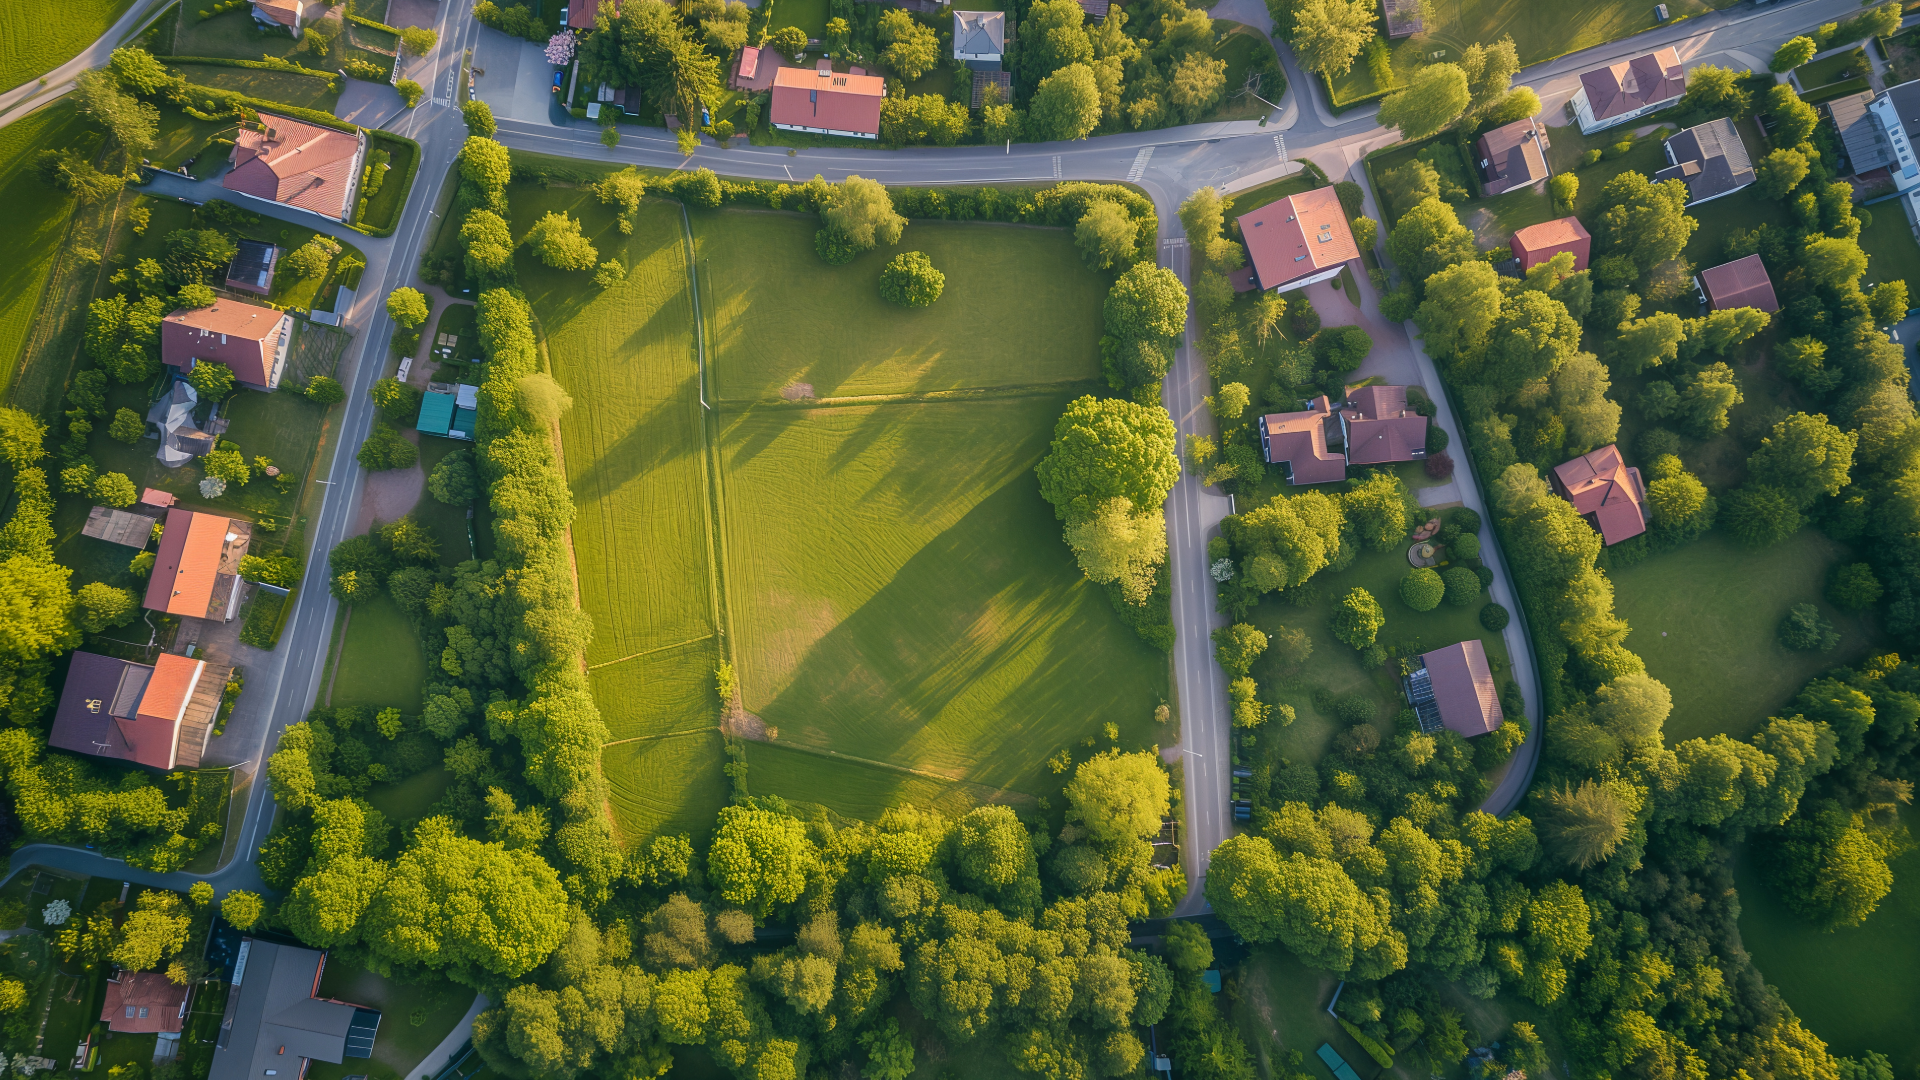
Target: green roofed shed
x: 1338, y: 1064
x: 436, y: 413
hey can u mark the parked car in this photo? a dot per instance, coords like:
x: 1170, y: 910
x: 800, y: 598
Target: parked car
x: 559, y: 80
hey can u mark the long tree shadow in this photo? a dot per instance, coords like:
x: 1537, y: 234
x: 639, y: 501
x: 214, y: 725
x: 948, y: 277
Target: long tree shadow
x: 982, y: 656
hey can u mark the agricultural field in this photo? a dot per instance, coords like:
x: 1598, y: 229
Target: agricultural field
x: 36, y: 38
x: 37, y: 215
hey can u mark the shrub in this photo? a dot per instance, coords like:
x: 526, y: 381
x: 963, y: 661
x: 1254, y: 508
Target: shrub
x: 1465, y: 546
x: 1591, y: 157
x: 325, y: 390
x: 833, y: 247
x: 1437, y: 438
x: 911, y: 280
x: 395, y: 399
x: 1357, y: 618
x: 1422, y: 589
x: 1439, y: 466
x: 1656, y: 441
x: 387, y: 449
x: 1353, y: 709
x: 1463, y: 585
x: 1306, y: 321
x: 1494, y: 617
x: 1464, y: 518
x: 128, y: 426
x: 1803, y: 629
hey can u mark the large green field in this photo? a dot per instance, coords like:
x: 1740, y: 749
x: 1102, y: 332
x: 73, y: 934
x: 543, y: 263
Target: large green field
x: 1706, y: 617
x: 893, y: 587
x: 37, y: 217
x: 35, y: 38
x: 1857, y: 988
x: 1019, y: 309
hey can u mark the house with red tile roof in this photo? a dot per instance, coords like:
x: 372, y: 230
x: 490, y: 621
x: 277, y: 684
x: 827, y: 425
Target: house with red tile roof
x: 1606, y: 491
x: 1297, y: 442
x: 118, y: 709
x: 580, y: 14
x: 827, y: 102
x: 305, y: 166
x: 1453, y: 689
x: 1612, y: 95
x: 143, y: 1003
x: 197, y: 573
x: 1536, y: 244
x: 1740, y: 283
x: 1298, y: 240
x: 250, y: 339
x: 1380, y: 428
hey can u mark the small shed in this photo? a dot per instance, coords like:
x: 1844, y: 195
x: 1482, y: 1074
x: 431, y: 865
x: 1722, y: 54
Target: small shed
x: 156, y: 497
x: 449, y: 412
x: 118, y: 527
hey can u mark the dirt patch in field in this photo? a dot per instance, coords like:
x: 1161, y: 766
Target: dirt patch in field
x: 800, y: 391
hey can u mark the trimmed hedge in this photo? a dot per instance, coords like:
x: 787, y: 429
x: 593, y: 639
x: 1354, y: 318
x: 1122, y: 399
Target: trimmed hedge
x: 406, y: 183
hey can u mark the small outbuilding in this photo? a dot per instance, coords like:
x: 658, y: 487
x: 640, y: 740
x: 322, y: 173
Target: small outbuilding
x: 449, y: 411
x: 118, y: 527
x: 252, y: 267
x: 1536, y: 244
x: 1740, y: 283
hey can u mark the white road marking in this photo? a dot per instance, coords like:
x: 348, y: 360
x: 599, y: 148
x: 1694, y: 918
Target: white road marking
x: 1139, y: 164
x: 1056, y: 166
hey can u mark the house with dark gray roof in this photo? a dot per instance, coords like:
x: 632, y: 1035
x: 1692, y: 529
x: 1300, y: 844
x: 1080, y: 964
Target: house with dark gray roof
x: 1898, y: 113
x: 1711, y: 159
x: 1861, y: 135
x: 276, y: 1022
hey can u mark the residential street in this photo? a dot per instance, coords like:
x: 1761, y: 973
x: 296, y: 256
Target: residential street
x: 1168, y: 165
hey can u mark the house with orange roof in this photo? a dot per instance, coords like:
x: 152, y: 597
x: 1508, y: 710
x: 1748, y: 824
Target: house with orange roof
x: 827, y: 102
x: 1453, y: 689
x: 197, y: 573
x: 1298, y: 240
x: 144, y: 1003
x: 1607, y: 492
x: 305, y: 166
x: 1536, y: 244
x: 118, y: 709
x: 247, y: 338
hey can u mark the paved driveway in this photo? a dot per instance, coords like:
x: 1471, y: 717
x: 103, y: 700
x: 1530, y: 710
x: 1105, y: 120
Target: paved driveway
x: 517, y: 84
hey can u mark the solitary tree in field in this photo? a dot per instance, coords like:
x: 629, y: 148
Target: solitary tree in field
x: 556, y: 238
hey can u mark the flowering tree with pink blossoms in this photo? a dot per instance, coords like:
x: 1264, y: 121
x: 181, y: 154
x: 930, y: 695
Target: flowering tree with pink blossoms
x: 560, y: 49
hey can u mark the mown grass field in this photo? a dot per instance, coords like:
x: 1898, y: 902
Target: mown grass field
x: 37, y: 217
x: 380, y: 660
x: 36, y: 38
x: 1706, y: 618
x: 1856, y: 988
x: 1019, y: 309
x: 901, y: 592
x: 634, y: 457
x: 1545, y: 30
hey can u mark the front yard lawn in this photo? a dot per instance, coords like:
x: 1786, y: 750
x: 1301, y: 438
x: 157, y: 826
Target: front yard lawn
x: 1892, y: 254
x: 1851, y: 64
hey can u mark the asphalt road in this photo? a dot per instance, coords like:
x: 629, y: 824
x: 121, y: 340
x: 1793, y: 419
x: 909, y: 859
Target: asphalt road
x: 1168, y: 165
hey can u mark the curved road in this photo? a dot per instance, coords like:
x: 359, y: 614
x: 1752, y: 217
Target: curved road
x: 1168, y: 165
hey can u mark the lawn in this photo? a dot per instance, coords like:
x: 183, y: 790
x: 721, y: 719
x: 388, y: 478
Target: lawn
x: 1744, y: 209
x: 383, y: 209
x: 1240, y: 46
x: 1705, y: 619
x: 448, y: 524
x: 35, y: 38
x: 1546, y: 30
x: 233, y: 35
x: 410, y: 799
x: 414, y: 1017
x: 854, y: 789
x: 306, y: 91
x: 635, y: 460
x: 1891, y: 251
x: 902, y: 593
x: 458, y: 320
x: 380, y: 662
x: 1254, y: 198
x: 808, y: 15
x: 1857, y: 988
x: 1020, y: 308
x: 181, y: 138
x: 38, y: 214
x: 1832, y: 69
x: 1334, y: 670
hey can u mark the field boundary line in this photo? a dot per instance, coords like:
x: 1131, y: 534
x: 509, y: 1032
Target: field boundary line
x: 662, y: 735
x: 986, y: 792
x: 922, y: 397
x: 649, y: 652
x: 719, y: 598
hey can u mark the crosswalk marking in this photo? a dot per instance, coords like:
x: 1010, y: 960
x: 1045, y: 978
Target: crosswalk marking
x: 1056, y: 166
x: 1280, y: 146
x: 1139, y: 165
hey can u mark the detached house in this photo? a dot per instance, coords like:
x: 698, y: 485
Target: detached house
x: 1606, y: 491
x: 1740, y: 283
x: 1536, y: 244
x: 249, y: 339
x: 197, y: 573
x: 138, y: 713
x: 1512, y: 156
x: 288, y: 15
x: 1373, y: 426
x: 277, y: 1024
x: 1453, y: 689
x: 1613, y: 95
x: 1710, y: 159
x: 305, y: 166
x: 827, y: 102
x: 1298, y: 240
x: 979, y: 36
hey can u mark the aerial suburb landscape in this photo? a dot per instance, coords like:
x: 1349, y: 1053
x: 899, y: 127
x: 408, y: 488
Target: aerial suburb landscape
x: 885, y: 539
